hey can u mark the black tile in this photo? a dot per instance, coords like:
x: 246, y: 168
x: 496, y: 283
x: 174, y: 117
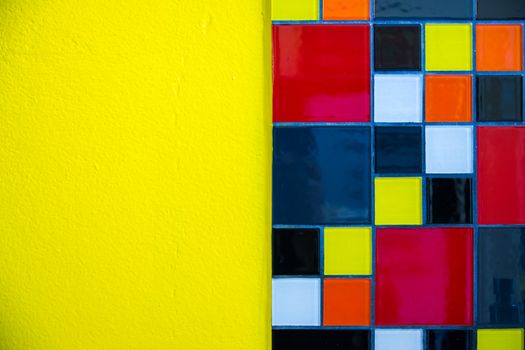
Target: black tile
x: 397, y: 150
x: 321, y: 175
x: 295, y: 339
x: 499, y: 98
x: 453, y: 9
x: 449, y: 339
x: 295, y: 251
x: 501, y: 272
x: 449, y: 201
x: 397, y: 47
x: 501, y: 9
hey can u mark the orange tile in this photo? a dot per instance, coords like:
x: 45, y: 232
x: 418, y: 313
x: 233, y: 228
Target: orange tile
x: 498, y: 47
x: 448, y: 98
x: 346, y: 302
x: 346, y: 9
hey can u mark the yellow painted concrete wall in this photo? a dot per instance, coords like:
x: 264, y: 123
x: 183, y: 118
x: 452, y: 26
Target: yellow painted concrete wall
x: 134, y: 174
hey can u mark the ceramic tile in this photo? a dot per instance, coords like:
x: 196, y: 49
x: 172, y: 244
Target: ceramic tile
x: 315, y: 339
x: 398, y: 201
x: 499, y: 98
x: 398, y: 150
x: 498, y: 339
x: 500, y: 9
x: 448, y: 98
x: 295, y: 251
x: 397, y: 47
x: 448, y: 47
x: 447, y: 339
x: 296, y: 302
x: 321, y: 73
x: 346, y: 9
x: 293, y: 10
x: 449, y: 201
x: 347, y: 251
x: 448, y: 149
x: 399, y: 339
x: 500, y: 172
x: 346, y: 302
x: 446, y: 9
x: 501, y: 293
x: 499, y: 47
x: 424, y: 276
x: 398, y: 98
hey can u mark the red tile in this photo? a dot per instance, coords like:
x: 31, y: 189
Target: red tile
x: 321, y: 73
x: 424, y: 276
x: 501, y: 174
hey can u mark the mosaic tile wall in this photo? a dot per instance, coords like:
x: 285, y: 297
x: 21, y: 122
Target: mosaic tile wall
x: 398, y: 175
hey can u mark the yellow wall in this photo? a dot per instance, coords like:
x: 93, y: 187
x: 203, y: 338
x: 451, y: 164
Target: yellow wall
x: 134, y: 174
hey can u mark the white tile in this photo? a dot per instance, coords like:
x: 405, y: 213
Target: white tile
x: 296, y: 302
x: 398, y: 98
x: 398, y: 339
x: 448, y: 149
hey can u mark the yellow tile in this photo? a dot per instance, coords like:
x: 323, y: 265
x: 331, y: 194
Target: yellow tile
x: 295, y: 10
x: 499, y: 339
x: 448, y: 47
x: 348, y: 251
x: 398, y: 201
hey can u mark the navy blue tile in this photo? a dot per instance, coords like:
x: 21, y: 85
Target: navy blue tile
x: 295, y: 251
x: 451, y: 9
x: 321, y: 175
x: 449, y: 201
x: 398, y: 150
x: 501, y: 273
x: 499, y: 98
x: 446, y: 339
x: 501, y: 9
x: 315, y: 339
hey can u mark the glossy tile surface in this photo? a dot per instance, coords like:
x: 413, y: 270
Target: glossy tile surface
x: 448, y: 98
x: 499, y: 98
x: 447, y: 339
x: 496, y: 339
x: 399, y: 339
x: 500, y: 9
x: 501, y: 271
x: 398, y: 98
x: 286, y: 339
x: 449, y: 149
x: 295, y: 252
x: 424, y: 276
x: 295, y: 10
x: 501, y: 172
x: 397, y: 47
x: 321, y: 73
x: 321, y: 175
x: 398, y: 201
x: 347, y: 251
x: 451, y: 9
x: 397, y: 150
x: 346, y: 302
x: 448, y: 47
x: 346, y: 10
x: 296, y: 302
x: 499, y: 47
x: 449, y: 201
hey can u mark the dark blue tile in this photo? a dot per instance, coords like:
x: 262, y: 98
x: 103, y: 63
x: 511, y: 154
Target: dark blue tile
x: 446, y: 339
x: 452, y: 9
x: 499, y: 98
x: 317, y: 339
x: 295, y: 251
x: 501, y: 273
x: 501, y: 9
x: 398, y: 150
x: 321, y: 175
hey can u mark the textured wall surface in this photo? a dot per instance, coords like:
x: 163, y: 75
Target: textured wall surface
x: 134, y: 174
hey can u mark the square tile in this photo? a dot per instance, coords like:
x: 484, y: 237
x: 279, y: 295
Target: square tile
x: 499, y: 47
x: 449, y: 201
x: 321, y: 175
x: 501, y: 171
x: 296, y: 302
x: 448, y: 47
x: 347, y: 251
x: 346, y: 10
x: 398, y: 98
x: 412, y: 267
x: 398, y: 201
x: 399, y: 339
x: 295, y: 251
x: 294, y: 10
x: 448, y: 98
x: 448, y: 149
x: 504, y: 9
x: 499, y: 98
x: 448, y: 339
x: 321, y: 73
x: 499, y: 339
x: 398, y: 150
x: 501, y: 252
x: 316, y: 339
x: 417, y: 9
x: 346, y: 302
x: 397, y: 47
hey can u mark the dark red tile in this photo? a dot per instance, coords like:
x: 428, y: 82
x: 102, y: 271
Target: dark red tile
x: 321, y: 73
x: 424, y: 276
x: 501, y: 172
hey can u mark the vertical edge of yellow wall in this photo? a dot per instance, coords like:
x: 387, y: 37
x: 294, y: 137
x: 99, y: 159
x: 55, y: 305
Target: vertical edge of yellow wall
x: 365, y: 268
x: 496, y: 339
x: 387, y: 201
x: 437, y: 51
x: 295, y: 10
